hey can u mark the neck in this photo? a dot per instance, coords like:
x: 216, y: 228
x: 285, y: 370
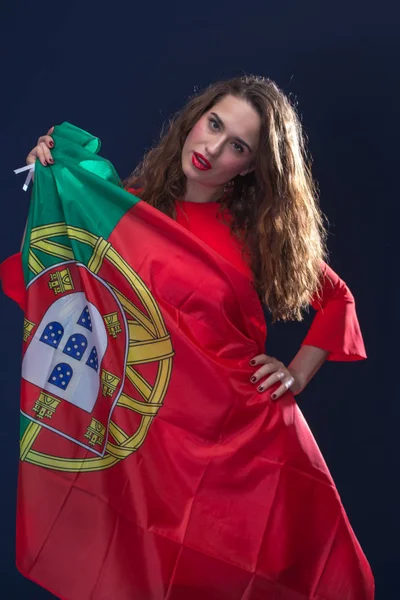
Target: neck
x: 195, y: 192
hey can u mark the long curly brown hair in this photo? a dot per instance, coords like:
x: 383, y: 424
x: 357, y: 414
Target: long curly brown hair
x: 274, y: 209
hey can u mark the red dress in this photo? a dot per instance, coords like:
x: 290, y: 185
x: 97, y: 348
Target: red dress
x: 335, y: 327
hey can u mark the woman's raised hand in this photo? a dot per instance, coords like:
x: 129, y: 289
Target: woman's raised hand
x: 42, y: 150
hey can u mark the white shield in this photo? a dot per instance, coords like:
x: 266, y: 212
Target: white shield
x: 67, y: 350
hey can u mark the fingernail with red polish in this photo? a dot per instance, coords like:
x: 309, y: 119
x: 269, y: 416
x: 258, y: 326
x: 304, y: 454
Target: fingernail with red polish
x: 51, y: 144
x: 260, y: 388
x: 273, y: 396
x: 252, y: 362
x: 253, y: 379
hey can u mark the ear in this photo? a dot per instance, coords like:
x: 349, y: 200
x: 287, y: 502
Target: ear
x: 247, y: 171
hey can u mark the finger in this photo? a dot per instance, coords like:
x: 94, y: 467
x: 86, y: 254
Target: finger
x: 282, y: 389
x: 50, y: 131
x: 261, y: 359
x: 278, y: 376
x: 264, y: 371
x: 47, y: 153
x: 40, y: 154
x: 46, y: 139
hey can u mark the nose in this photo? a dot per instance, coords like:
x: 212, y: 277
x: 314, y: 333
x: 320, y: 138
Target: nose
x: 214, y: 147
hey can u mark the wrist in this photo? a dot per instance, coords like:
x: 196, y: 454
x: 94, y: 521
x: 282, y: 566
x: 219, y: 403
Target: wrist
x: 300, y: 381
x: 305, y: 364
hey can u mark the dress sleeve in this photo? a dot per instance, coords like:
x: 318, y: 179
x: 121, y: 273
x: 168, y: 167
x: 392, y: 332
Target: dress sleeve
x: 12, y: 279
x: 335, y: 327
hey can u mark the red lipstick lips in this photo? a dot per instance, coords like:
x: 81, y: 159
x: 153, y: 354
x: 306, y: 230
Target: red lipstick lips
x: 200, y: 162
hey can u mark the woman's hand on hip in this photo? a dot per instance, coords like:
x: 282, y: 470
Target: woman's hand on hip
x: 272, y: 371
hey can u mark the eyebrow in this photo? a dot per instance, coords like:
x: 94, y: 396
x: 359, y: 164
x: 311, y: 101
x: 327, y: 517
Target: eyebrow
x: 221, y: 124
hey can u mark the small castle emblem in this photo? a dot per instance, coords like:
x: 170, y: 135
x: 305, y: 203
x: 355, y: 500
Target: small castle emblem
x: 45, y: 406
x: 109, y: 383
x: 28, y: 326
x: 61, y: 281
x: 95, y: 433
x: 113, y: 324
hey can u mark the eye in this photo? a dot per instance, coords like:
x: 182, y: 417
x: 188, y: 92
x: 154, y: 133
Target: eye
x: 213, y: 124
x: 238, y: 147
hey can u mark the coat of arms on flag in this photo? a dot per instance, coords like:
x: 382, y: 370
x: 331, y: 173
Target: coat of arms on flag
x: 87, y: 351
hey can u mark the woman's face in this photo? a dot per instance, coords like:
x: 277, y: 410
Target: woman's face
x: 223, y: 143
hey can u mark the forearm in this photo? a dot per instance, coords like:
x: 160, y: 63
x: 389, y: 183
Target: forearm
x: 305, y: 365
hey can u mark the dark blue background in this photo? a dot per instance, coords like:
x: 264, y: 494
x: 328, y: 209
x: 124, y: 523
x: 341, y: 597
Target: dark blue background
x: 119, y: 70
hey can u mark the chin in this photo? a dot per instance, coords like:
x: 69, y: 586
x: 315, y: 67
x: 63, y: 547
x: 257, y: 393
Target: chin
x: 189, y: 171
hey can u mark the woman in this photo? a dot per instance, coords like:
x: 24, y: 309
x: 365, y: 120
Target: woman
x: 236, y: 156
x: 232, y: 171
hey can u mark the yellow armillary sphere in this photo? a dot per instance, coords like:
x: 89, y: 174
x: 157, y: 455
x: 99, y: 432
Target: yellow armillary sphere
x: 146, y: 342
